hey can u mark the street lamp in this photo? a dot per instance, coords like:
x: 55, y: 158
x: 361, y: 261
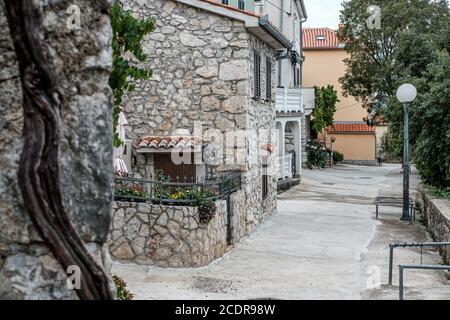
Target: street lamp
x: 406, y: 94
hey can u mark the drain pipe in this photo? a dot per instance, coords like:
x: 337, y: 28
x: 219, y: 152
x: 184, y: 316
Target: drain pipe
x: 302, y: 58
x: 281, y: 30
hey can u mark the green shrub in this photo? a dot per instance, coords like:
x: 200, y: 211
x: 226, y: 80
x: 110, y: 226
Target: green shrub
x: 316, y: 155
x: 121, y: 286
x: 206, y: 210
x: 337, y: 157
x: 431, y: 150
x: 123, y: 194
x: 441, y: 193
x: 200, y: 199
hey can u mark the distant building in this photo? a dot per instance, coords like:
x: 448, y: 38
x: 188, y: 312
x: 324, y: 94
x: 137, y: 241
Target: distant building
x: 324, y: 65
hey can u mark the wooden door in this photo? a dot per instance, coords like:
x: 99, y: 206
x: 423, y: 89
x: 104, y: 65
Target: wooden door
x: 163, y: 161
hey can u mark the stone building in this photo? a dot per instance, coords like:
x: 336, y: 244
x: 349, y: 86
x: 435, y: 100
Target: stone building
x: 294, y: 102
x: 212, y: 85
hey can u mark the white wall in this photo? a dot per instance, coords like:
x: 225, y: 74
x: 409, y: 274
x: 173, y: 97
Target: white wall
x: 288, y: 21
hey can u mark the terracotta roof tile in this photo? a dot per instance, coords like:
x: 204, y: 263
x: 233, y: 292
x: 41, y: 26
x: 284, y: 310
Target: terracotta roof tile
x: 320, y: 38
x: 168, y: 142
x: 350, y: 127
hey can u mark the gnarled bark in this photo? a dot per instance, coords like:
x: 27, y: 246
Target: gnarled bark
x: 38, y: 171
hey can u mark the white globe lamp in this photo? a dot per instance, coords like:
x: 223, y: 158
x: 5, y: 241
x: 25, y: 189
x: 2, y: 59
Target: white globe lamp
x: 406, y: 93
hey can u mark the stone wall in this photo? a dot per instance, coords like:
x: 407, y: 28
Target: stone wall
x: 82, y: 60
x: 203, y: 71
x: 306, y: 131
x: 361, y: 162
x: 200, y: 71
x: 171, y: 236
x: 437, y: 216
x: 260, y: 116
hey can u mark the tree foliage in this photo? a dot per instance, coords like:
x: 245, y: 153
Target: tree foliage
x: 380, y: 59
x: 128, y: 33
x: 412, y: 46
x: 326, y: 98
x: 432, y: 149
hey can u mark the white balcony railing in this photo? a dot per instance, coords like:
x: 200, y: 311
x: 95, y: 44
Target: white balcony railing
x: 285, y: 163
x: 294, y: 100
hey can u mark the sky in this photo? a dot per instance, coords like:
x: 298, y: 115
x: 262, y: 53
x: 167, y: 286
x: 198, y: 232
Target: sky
x: 323, y: 13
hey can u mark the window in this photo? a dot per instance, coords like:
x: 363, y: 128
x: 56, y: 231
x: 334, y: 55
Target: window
x: 257, y: 75
x: 296, y: 76
x: 294, y: 30
x: 264, y: 178
x: 265, y: 186
x: 268, y: 79
x: 241, y: 4
x: 225, y: 2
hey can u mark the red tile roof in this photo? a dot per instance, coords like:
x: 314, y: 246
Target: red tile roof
x: 168, y: 142
x: 312, y: 39
x: 219, y: 3
x: 350, y: 127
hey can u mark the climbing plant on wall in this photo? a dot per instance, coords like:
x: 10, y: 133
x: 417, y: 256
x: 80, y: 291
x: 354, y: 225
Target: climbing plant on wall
x: 326, y: 98
x: 128, y: 33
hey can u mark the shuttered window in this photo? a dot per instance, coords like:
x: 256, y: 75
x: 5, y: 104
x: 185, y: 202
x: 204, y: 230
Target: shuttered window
x: 264, y: 178
x: 268, y: 79
x: 257, y: 75
x: 265, y: 186
x: 296, y: 76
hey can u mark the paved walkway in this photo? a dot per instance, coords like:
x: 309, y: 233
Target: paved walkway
x: 324, y: 243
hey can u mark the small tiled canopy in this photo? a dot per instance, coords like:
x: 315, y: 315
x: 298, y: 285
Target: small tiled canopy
x: 168, y: 142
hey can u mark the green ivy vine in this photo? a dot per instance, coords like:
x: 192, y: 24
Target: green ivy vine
x: 128, y: 33
x: 323, y: 113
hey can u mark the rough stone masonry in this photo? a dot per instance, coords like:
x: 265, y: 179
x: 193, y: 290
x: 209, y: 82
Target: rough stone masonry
x: 82, y: 58
x: 202, y: 67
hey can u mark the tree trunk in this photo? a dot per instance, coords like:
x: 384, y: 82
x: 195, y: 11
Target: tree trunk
x: 38, y: 170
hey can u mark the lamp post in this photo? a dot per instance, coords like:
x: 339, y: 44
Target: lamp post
x: 406, y: 94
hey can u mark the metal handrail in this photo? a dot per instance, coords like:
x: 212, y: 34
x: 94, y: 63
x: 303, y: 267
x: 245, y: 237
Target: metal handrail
x: 423, y: 267
x: 394, y: 245
x: 221, y: 189
x: 395, y: 201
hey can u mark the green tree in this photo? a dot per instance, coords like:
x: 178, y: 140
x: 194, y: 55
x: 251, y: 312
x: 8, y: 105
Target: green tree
x: 128, y: 33
x: 380, y: 58
x: 326, y: 98
x: 412, y: 45
x: 432, y: 149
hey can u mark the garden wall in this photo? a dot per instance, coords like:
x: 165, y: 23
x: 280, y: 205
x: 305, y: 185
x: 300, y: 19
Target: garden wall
x: 172, y: 236
x: 437, y: 214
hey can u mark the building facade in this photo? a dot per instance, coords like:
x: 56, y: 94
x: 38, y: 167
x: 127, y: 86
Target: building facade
x: 212, y: 95
x: 324, y: 65
x: 294, y: 102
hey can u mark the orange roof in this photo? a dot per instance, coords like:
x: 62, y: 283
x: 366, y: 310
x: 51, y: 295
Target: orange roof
x: 350, y: 127
x: 168, y: 142
x: 320, y: 38
x: 219, y: 3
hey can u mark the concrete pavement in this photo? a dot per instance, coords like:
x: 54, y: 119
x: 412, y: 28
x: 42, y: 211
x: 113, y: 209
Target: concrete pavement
x: 324, y: 243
